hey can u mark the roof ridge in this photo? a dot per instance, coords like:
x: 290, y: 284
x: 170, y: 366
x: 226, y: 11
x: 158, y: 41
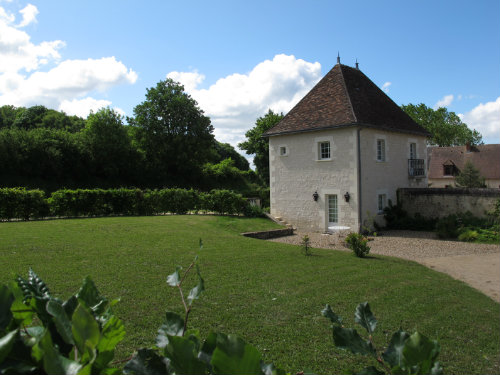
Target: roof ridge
x: 347, y: 94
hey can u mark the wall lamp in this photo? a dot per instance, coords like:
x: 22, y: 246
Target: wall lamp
x: 347, y: 196
x: 315, y: 196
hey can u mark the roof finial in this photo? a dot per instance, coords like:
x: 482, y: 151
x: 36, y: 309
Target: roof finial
x: 338, y: 57
x: 357, y: 64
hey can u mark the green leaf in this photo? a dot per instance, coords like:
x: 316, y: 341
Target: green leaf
x: 6, y: 343
x: 207, y: 350
x: 91, y: 297
x: 22, y: 313
x: 327, y: 312
x: 85, y: 332
x: 233, y: 356
x: 364, y: 316
x: 53, y: 362
x: 112, y: 333
x: 183, y: 356
x: 394, y: 352
x: 61, y: 320
x: 370, y: 370
x: 420, y: 353
x: 174, y: 279
x: 173, y: 326
x: 6, y: 300
x: 146, y: 362
x: 198, y: 289
x: 349, y: 339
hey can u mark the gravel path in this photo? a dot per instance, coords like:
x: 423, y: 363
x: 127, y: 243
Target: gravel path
x: 476, y: 264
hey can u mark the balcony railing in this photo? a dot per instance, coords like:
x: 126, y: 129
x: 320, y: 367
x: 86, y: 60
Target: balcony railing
x: 416, y: 168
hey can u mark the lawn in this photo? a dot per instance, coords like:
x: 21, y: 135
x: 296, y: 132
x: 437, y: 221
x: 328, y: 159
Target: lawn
x: 268, y: 293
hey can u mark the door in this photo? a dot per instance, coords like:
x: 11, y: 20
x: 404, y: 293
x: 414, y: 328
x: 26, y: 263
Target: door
x: 333, y: 213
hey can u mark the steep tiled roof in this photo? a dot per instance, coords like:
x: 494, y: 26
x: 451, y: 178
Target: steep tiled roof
x: 345, y: 97
x: 486, y: 158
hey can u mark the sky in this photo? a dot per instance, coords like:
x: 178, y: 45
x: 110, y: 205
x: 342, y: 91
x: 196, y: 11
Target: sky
x: 238, y: 59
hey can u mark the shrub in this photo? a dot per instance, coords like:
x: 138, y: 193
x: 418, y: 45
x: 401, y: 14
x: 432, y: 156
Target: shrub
x: 468, y: 235
x: 358, y: 243
x: 19, y: 203
x: 306, y: 245
x: 447, y: 227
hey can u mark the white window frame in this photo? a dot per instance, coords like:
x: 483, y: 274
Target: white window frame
x: 324, y: 153
x: 281, y: 148
x: 335, y: 211
x: 413, y: 150
x: 381, y: 203
x: 381, y: 150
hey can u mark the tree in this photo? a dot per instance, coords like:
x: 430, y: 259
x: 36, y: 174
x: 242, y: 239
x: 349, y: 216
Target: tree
x: 112, y: 156
x: 225, y: 151
x: 470, y: 177
x: 174, y: 134
x: 259, y: 146
x: 445, y: 127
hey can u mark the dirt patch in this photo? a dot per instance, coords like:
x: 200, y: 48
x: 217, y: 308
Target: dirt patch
x: 476, y: 264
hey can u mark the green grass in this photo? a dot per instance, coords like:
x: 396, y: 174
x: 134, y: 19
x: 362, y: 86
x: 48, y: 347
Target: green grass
x: 268, y: 293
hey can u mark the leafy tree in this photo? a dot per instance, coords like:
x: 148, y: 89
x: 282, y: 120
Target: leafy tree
x: 445, y: 127
x: 8, y: 115
x: 470, y: 177
x: 174, y: 134
x: 226, y: 151
x: 259, y: 146
x: 30, y: 117
x: 112, y: 155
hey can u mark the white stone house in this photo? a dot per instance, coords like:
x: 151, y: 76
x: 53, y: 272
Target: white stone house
x: 341, y: 153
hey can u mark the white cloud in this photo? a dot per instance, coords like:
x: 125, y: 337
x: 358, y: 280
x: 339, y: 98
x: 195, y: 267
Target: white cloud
x: 236, y: 101
x: 445, y: 102
x: 485, y: 118
x: 385, y: 87
x: 29, y: 13
x: 66, y: 82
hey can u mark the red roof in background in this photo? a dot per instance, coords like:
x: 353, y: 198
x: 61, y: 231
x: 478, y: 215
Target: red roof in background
x: 346, y: 97
x: 486, y: 158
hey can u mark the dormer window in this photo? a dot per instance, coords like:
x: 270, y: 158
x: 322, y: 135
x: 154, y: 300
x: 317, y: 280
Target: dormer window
x: 449, y: 169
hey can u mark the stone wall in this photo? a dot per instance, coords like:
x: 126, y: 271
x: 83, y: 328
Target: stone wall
x: 265, y: 235
x: 440, y: 202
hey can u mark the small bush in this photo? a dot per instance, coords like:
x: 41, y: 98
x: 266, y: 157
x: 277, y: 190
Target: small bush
x: 306, y: 245
x: 447, y: 227
x: 358, y: 244
x: 468, y: 236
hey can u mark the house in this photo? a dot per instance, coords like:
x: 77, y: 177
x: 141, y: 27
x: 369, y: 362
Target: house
x: 447, y: 162
x: 340, y: 154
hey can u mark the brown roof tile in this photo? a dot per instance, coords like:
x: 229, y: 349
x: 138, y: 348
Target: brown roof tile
x: 345, y: 97
x: 486, y: 158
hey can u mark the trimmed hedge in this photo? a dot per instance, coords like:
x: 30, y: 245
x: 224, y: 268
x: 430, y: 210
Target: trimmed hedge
x: 19, y: 203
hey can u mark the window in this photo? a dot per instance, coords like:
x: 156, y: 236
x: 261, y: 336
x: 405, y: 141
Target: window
x: 332, y: 209
x: 450, y: 170
x: 324, y: 150
x: 380, y: 150
x: 283, y: 151
x: 382, y: 203
x: 413, y: 150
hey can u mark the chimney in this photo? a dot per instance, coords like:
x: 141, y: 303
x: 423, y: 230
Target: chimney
x: 338, y: 58
x: 357, y: 64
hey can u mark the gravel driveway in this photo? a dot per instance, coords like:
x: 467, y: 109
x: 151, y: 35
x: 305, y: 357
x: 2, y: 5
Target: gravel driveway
x: 476, y: 264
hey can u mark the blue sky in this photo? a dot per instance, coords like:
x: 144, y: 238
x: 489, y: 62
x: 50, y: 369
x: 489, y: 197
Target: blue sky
x: 237, y: 59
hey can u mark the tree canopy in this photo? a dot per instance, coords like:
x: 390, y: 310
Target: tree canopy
x: 470, y: 177
x: 445, y: 127
x: 174, y: 134
x: 259, y: 146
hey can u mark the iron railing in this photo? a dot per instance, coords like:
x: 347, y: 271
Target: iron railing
x: 416, y: 168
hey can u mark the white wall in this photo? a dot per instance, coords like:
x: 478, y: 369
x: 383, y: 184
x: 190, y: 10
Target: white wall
x: 386, y: 177
x: 295, y: 176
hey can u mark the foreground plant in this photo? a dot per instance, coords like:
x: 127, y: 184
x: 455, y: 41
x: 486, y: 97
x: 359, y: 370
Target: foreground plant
x: 43, y: 334
x: 405, y: 354
x: 180, y: 350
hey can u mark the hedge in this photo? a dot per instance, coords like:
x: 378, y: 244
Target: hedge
x: 19, y: 203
